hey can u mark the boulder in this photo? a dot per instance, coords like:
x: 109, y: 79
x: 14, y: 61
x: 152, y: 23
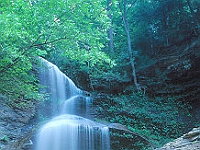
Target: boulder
x: 189, y: 141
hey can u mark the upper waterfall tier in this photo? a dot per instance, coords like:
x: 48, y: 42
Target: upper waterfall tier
x: 56, y: 85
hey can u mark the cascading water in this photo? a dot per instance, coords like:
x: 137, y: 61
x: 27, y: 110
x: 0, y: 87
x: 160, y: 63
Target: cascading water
x: 68, y: 130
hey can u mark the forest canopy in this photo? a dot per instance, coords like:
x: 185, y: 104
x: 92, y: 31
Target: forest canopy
x: 58, y: 30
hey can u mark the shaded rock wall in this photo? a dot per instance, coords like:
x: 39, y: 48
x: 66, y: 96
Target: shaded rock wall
x: 15, y: 126
x: 175, y: 73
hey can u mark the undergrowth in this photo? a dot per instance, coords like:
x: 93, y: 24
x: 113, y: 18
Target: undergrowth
x: 159, y: 119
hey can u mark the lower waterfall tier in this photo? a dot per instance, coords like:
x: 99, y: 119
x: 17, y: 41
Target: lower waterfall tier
x: 71, y: 132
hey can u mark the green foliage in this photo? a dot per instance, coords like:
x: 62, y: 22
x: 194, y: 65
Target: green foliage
x: 5, y: 138
x: 93, y: 61
x: 59, y: 30
x: 84, y: 25
x: 16, y: 78
x: 160, y: 119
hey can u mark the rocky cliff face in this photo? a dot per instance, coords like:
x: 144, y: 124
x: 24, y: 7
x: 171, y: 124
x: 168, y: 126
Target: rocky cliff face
x: 189, y: 141
x: 175, y: 73
x: 15, y: 126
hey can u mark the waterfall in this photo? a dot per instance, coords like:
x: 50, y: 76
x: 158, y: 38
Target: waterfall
x: 68, y: 129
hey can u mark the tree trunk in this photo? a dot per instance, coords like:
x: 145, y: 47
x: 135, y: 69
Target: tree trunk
x: 110, y: 31
x: 111, y: 40
x: 194, y: 16
x: 126, y: 26
x: 166, y: 26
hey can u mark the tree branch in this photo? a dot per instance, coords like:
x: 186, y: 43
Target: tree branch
x: 17, y: 59
x: 25, y: 50
x: 50, y: 42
